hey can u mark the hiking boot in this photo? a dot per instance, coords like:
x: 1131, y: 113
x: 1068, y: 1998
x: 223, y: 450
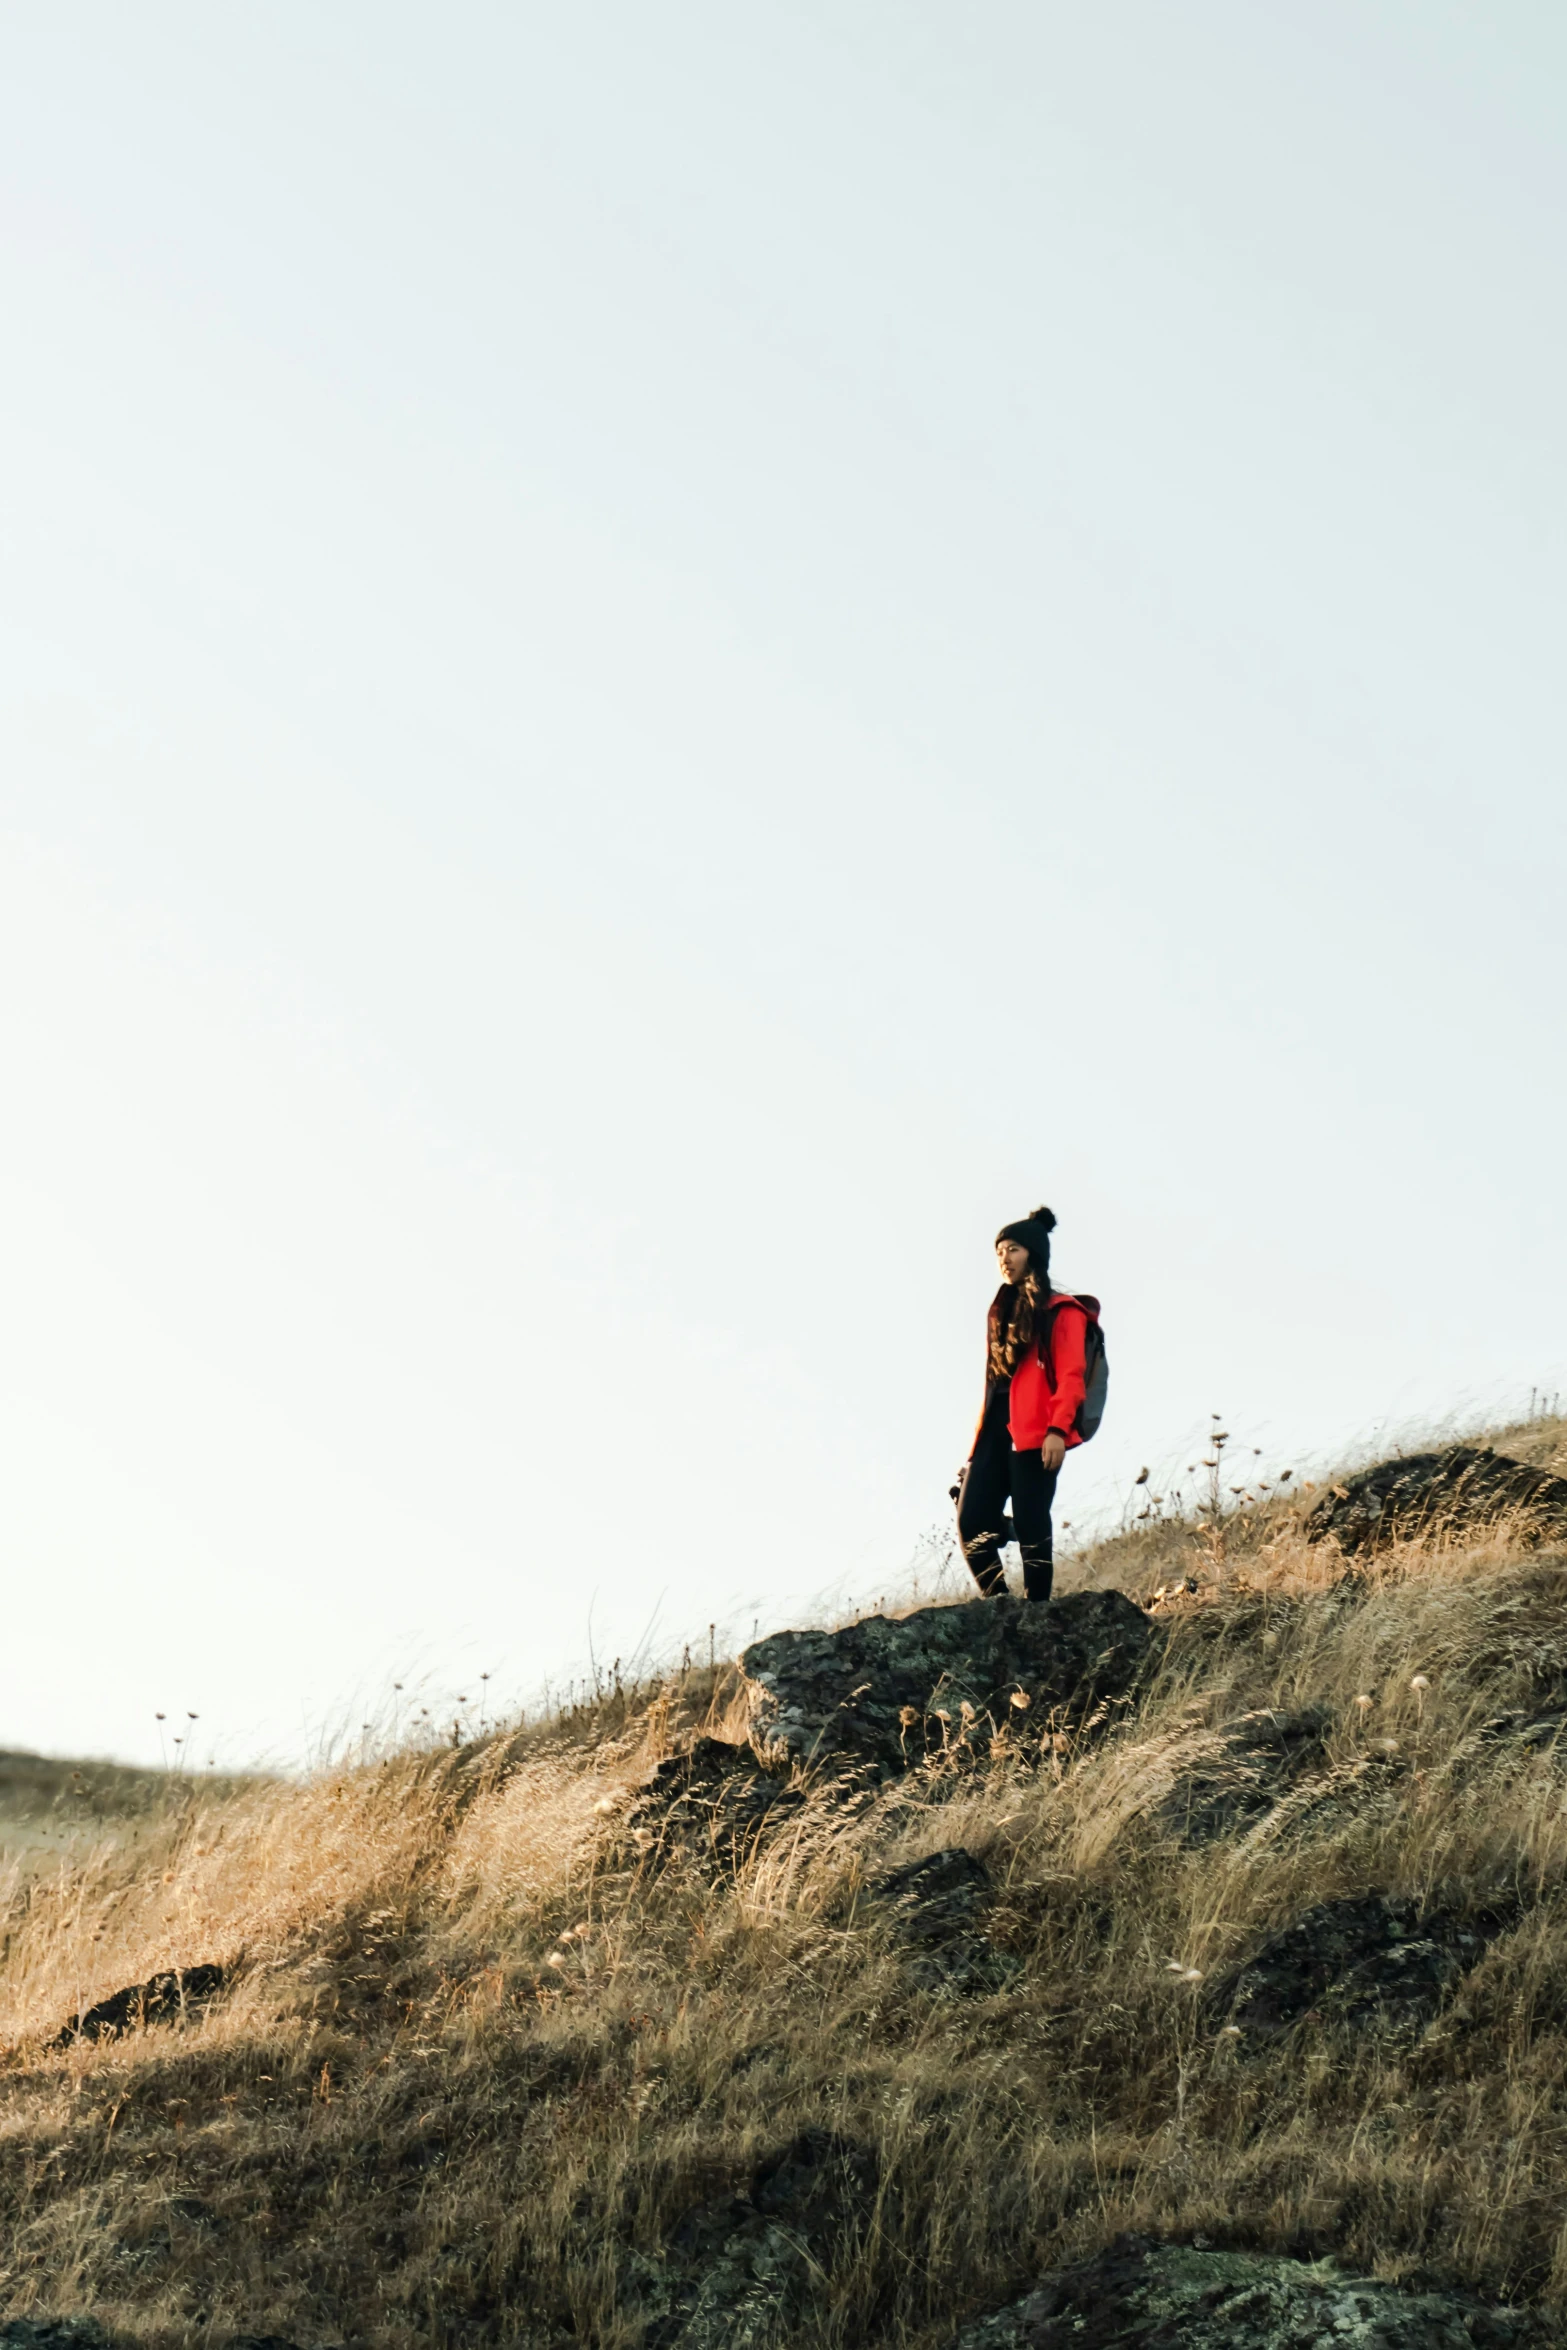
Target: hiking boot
x: 1038, y: 1576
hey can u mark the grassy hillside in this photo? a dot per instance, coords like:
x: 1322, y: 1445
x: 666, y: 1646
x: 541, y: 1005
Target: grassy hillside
x: 487, y: 2039
x: 51, y: 1810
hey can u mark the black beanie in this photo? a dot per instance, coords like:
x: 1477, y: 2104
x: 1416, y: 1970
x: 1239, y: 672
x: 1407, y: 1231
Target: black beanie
x: 1033, y: 1233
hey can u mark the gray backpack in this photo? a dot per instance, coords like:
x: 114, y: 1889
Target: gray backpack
x: 1096, y: 1363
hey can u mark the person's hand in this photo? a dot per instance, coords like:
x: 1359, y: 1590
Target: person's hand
x: 1053, y: 1451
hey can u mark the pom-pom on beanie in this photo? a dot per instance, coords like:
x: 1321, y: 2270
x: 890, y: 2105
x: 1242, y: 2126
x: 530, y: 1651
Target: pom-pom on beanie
x: 1033, y: 1233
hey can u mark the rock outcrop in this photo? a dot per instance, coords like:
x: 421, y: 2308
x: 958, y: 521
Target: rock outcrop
x: 54, y: 2333
x: 713, y: 1799
x: 891, y: 1690
x: 88, y: 2334
x: 935, y: 1909
x: 753, y: 2269
x: 161, y: 2000
x: 1241, y: 1770
x: 84, y: 2333
x: 1373, y: 1962
x: 1462, y: 1489
x: 844, y: 1713
x: 259, y: 2342
x: 1145, y: 2296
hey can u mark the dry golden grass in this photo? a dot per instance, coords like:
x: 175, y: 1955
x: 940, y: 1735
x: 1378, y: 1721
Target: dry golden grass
x: 404, y: 2124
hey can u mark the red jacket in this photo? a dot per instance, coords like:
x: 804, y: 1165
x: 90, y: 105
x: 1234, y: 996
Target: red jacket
x: 1047, y: 1386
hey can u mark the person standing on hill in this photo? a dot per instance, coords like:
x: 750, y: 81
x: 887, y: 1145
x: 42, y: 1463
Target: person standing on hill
x: 1036, y: 1368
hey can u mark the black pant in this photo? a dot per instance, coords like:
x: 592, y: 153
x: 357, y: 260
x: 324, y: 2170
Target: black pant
x: 994, y: 1472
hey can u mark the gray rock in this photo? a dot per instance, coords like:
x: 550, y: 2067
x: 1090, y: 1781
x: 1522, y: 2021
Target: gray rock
x: 1541, y: 1733
x: 1356, y: 1791
x: 715, y: 1802
x: 1463, y: 1488
x: 935, y: 1897
x: 935, y: 1908
x: 1375, y: 1961
x: 54, y: 2333
x: 749, y: 2271
x: 1143, y: 2296
x: 260, y: 2342
x: 714, y: 1798
x: 891, y: 1690
x: 1241, y: 1771
x: 164, y: 1999
x: 1514, y: 1739
x: 85, y: 2333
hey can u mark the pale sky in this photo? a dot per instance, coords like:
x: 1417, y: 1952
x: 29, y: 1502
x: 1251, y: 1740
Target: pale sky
x: 658, y: 663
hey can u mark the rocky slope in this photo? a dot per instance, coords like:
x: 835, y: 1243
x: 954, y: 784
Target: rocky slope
x: 1145, y: 1970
